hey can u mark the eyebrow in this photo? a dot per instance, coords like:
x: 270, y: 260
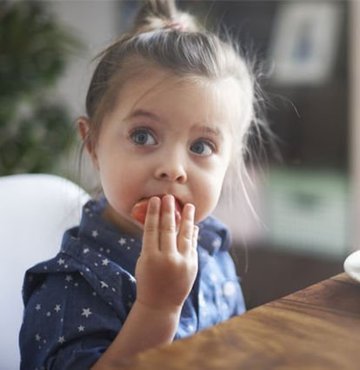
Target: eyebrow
x: 210, y: 130
x: 143, y: 113
x: 204, y: 129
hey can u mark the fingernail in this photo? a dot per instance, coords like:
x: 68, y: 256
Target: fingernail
x: 170, y: 199
x: 154, y: 202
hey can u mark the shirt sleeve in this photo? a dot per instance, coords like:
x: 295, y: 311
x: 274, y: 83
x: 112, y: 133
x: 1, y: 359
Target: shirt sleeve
x: 67, y: 325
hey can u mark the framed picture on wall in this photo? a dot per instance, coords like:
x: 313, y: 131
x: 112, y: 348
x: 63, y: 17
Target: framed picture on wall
x: 304, y: 42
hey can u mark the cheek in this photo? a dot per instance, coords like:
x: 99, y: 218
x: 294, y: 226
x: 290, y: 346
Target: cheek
x: 208, y: 194
x: 116, y: 185
x: 216, y: 188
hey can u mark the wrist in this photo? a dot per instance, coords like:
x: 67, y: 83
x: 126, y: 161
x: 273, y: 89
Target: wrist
x: 157, y: 309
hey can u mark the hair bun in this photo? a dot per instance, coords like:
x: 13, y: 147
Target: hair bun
x: 163, y: 14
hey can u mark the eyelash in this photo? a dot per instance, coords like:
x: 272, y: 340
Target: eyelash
x: 206, y: 142
x: 143, y: 131
x: 146, y: 131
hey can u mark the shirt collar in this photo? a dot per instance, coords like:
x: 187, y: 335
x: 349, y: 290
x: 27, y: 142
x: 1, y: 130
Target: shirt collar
x: 104, y: 237
x: 213, y: 235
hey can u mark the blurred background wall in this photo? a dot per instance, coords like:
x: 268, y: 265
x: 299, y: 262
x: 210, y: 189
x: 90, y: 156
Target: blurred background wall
x: 306, y: 195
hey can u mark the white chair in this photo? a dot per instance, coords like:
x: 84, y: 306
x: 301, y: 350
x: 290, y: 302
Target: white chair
x: 35, y: 210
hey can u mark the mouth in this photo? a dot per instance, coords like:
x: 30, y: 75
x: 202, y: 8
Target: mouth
x: 139, y: 210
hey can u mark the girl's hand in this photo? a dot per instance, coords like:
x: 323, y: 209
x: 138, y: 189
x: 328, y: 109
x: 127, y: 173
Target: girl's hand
x: 167, y: 266
x: 165, y: 274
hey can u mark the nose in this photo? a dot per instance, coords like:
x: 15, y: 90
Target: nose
x: 171, y: 168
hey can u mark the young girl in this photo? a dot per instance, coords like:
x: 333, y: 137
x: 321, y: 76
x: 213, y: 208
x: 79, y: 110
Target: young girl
x: 168, y: 109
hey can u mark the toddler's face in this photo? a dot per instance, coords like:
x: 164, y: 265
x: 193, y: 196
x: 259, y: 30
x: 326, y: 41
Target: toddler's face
x: 165, y: 136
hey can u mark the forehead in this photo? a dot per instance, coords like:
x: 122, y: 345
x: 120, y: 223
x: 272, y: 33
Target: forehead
x: 214, y: 101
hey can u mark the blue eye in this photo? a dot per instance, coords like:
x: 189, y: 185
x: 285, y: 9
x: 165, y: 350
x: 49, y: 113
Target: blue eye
x: 143, y: 137
x: 202, y: 147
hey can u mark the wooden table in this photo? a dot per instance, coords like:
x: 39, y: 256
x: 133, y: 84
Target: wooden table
x: 315, y: 328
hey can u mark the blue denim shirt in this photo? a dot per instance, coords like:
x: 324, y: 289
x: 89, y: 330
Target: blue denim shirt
x: 76, y: 303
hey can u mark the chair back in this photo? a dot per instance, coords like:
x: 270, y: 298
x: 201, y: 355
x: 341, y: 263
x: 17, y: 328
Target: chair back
x: 35, y: 210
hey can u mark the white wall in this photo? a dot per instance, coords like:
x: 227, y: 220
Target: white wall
x: 94, y: 22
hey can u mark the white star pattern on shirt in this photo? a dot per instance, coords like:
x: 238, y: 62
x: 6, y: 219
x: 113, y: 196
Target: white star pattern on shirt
x: 132, y: 279
x: 60, y: 261
x: 216, y: 243
x: 95, y: 233
x: 122, y: 241
x: 229, y: 289
x: 38, y: 307
x: 103, y: 284
x: 38, y: 337
x: 86, y: 250
x: 202, y: 301
x: 81, y: 328
x: 68, y: 278
x: 57, y: 308
x: 86, y: 312
x: 61, y: 340
x: 105, y: 262
x: 213, y: 278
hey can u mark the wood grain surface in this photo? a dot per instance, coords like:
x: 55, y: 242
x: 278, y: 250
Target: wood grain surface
x: 315, y: 328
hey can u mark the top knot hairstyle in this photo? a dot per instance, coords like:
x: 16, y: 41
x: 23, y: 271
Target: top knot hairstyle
x: 163, y: 14
x: 165, y: 37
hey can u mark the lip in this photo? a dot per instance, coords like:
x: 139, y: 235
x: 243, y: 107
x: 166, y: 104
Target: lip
x: 139, y: 210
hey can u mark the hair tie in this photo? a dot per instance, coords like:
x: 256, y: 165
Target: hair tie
x: 176, y: 25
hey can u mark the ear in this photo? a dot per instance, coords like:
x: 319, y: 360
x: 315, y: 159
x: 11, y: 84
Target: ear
x: 83, y: 124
